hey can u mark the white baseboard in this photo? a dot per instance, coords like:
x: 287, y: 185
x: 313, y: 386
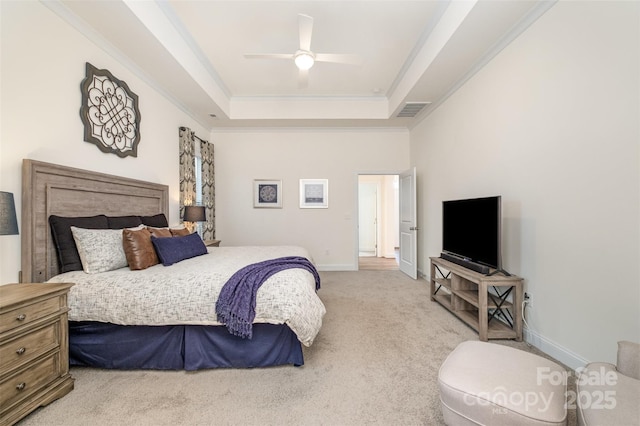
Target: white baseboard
x: 551, y: 348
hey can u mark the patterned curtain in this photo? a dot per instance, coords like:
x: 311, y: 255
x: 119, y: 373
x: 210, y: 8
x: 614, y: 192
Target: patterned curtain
x: 208, y: 190
x: 187, y: 169
x: 188, y: 188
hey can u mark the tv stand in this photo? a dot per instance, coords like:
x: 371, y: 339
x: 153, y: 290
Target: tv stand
x: 466, y: 294
x: 499, y: 271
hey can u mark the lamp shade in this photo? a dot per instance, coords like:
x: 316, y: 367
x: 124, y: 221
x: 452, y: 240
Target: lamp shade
x: 194, y: 214
x: 8, y: 221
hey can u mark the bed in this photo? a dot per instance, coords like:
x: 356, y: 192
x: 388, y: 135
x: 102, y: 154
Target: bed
x: 162, y: 317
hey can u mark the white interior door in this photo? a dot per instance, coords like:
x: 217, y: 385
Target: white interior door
x: 408, y: 226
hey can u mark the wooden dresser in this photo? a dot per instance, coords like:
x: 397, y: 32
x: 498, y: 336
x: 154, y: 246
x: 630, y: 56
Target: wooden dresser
x: 34, y: 348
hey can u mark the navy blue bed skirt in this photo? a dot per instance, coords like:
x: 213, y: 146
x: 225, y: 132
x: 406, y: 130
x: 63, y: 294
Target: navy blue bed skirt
x: 180, y: 347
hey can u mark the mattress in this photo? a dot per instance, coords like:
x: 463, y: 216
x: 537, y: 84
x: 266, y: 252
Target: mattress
x: 185, y: 293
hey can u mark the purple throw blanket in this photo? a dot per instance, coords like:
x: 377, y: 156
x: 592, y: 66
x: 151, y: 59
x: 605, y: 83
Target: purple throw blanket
x: 236, y: 305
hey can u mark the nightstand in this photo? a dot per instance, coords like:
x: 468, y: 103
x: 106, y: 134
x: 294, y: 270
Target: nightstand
x: 212, y: 243
x: 34, y: 348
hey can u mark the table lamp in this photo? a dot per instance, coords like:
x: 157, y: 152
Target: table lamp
x: 8, y: 220
x: 194, y: 214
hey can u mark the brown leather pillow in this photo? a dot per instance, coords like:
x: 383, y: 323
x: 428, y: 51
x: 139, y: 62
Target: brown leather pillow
x: 168, y: 232
x: 180, y: 232
x: 159, y: 232
x: 138, y: 249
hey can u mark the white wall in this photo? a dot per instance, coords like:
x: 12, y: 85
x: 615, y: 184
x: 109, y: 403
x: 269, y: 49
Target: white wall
x: 387, y: 214
x: 43, y: 64
x: 552, y: 125
x: 293, y: 154
x: 391, y: 215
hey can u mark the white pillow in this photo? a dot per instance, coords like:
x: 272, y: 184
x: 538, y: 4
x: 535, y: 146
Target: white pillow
x: 100, y: 250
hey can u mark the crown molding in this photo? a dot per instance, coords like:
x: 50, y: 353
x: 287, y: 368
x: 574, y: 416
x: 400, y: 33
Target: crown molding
x: 291, y: 129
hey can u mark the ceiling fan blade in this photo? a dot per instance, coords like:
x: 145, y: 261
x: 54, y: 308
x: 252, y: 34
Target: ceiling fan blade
x: 303, y: 78
x: 269, y: 56
x: 340, y: 58
x: 305, y: 23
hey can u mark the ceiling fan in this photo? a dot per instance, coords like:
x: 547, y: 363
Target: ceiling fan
x: 304, y: 58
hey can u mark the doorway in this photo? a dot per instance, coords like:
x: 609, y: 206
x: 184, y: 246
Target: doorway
x: 378, y: 218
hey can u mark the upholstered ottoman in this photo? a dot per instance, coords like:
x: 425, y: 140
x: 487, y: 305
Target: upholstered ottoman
x: 489, y: 384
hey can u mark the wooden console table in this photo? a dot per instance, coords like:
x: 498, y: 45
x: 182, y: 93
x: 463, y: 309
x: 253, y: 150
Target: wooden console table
x: 494, y: 315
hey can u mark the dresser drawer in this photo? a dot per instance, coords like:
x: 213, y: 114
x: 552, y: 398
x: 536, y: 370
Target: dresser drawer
x: 29, y: 346
x: 29, y: 380
x: 28, y: 313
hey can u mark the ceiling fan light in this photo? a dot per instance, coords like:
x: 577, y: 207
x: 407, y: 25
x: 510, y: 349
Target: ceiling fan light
x: 304, y: 60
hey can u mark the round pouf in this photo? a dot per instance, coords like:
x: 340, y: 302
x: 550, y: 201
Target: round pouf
x: 489, y: 384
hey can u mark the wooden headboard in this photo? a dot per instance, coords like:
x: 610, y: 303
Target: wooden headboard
x: 65, y: 191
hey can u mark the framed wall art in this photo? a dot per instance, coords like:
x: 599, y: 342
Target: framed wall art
x: 314, y: 193
x: 109, y: 113
x: 267, y: 193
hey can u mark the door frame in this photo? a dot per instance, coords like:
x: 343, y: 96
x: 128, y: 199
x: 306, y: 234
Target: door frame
x: 356, y: 235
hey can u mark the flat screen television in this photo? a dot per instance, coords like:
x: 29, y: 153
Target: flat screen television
x: 471, y: 232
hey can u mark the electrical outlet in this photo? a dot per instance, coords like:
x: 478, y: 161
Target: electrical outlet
x: 528, y: 299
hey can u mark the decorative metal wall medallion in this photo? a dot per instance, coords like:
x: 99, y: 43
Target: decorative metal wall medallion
x: 109, y: 113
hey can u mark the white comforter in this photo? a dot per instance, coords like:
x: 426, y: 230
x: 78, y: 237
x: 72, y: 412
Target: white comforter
x: 186, y: 292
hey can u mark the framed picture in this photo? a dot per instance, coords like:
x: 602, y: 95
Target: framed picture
x: 314, y: 193
x: 267, y: 193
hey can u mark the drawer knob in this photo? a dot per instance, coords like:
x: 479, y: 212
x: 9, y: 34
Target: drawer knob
x: 20, y: 351
x: 21, y: 317
x: 21, y: 386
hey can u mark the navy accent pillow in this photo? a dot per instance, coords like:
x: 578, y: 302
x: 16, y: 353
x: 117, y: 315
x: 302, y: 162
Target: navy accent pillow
x: 121, y: 222
x: 68, y: 257
x: 157, y: 221
x: 171, y: 250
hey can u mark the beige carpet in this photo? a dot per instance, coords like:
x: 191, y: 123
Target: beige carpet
x: 375, y: 362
